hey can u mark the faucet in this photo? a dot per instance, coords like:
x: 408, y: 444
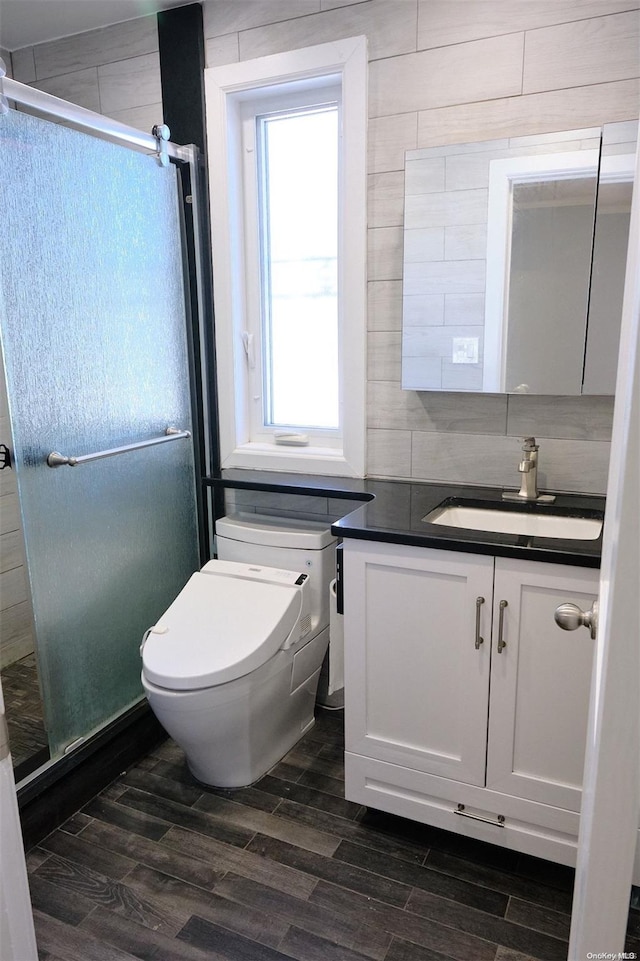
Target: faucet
x: 528, y: 468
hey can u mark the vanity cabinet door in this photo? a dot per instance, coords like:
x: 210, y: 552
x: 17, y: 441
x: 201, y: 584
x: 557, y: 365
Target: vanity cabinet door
x: 416, y: 672
x: 540, y: 683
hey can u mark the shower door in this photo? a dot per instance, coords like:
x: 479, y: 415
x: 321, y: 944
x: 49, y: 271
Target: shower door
x: 92, y: 315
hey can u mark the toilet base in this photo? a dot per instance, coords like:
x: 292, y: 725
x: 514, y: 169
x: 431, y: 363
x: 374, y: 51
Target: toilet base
x: 234, y: 733
x: 219, y: 775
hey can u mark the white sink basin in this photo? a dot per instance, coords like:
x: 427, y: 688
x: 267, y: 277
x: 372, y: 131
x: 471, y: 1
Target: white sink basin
x: 516, y: 522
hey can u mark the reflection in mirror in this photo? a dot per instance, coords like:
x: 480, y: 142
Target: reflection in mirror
x: 541, y: 217
x: 497, y: 261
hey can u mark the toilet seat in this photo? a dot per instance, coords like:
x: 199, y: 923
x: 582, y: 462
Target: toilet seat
x: 227, y: 621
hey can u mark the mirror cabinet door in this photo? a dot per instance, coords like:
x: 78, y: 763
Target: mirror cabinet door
x: 498, y: 243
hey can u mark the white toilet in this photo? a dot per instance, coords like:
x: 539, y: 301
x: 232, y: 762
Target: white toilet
x: 231, y: 669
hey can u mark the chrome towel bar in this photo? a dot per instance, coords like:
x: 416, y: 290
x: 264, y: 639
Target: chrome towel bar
x: 59, y: 460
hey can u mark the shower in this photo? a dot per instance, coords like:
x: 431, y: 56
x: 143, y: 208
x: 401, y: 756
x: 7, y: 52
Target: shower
x: 100, y: 498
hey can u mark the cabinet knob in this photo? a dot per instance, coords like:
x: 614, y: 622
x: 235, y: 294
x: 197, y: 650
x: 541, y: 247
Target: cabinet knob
x: 570, y: 617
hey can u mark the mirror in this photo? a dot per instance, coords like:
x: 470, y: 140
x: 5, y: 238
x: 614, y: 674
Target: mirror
x: 513, y: 274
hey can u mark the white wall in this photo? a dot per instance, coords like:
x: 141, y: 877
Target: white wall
x: 441, y: 71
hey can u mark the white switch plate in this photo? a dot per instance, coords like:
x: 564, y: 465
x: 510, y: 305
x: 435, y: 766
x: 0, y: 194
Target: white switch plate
x: 465, y: 350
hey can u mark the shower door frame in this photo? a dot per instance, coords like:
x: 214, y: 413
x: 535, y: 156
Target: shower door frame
x: 86, y: 121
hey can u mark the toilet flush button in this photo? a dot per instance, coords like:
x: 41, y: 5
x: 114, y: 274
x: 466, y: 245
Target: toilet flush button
x: 159, y: 629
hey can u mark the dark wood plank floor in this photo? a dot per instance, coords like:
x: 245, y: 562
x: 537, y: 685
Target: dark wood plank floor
x: 158, y: 868
x: 23, y: 705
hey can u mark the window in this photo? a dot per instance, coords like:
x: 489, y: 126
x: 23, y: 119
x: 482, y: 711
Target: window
x: 297, y: 161
x: 287, y: 172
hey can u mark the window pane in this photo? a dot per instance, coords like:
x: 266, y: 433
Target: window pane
x: 299, y: 259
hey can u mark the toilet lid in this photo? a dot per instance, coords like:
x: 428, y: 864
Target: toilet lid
x: 217, y: 629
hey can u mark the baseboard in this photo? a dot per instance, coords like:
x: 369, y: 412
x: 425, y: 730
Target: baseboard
x: 50, y: 799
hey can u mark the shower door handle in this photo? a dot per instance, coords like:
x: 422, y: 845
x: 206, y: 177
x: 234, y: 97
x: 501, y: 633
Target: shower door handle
x: 61, y: 460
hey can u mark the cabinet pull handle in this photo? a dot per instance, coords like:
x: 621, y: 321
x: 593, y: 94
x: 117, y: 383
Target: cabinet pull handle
x: 499, y: 823
x: 479, y: 639
x: 501, y: 641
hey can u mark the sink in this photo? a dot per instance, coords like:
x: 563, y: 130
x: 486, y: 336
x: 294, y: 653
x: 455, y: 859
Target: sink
x: 501, y: 521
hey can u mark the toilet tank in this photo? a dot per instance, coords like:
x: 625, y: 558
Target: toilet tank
x: 292, y: 545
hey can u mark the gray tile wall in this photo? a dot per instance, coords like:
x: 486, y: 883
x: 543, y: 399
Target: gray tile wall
x: 446, y: 72
x: 441, y: 72
x: 114, y: 71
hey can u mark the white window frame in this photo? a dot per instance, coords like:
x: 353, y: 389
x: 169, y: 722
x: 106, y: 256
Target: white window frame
x: 226, y: 88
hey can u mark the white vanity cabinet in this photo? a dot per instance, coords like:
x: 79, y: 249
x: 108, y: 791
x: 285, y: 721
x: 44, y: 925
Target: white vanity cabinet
x: 461, y: 710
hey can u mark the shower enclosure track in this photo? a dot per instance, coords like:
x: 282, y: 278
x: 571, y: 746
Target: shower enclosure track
x: 82, y: 119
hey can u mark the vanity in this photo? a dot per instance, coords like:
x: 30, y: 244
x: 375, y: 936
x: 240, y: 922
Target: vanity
x: 466, y: 704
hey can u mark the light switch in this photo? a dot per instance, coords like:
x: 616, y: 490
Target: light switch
x: 465, y: 350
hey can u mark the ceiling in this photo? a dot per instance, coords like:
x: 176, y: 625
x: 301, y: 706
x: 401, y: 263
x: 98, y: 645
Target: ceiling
x: 25, y: 22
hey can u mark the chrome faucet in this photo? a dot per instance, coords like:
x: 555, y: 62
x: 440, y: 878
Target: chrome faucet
x: 528, y: 468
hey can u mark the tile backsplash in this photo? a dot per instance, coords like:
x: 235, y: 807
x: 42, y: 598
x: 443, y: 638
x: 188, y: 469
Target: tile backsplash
x: 441, y: 72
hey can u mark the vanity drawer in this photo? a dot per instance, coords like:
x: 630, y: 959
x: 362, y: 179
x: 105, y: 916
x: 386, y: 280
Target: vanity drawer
x: 537, y: 829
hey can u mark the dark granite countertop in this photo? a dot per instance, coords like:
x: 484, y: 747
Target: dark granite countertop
x: 393, y: 512
x: 397, y: 511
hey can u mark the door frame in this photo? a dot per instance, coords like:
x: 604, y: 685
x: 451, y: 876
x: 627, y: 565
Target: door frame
x: 611, y: 792
x: 17, y: 934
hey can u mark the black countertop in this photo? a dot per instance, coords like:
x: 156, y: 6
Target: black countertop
x: 397, y: 511
x: 393, y: 512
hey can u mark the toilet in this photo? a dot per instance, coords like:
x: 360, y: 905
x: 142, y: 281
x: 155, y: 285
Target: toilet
x: 231, y: 668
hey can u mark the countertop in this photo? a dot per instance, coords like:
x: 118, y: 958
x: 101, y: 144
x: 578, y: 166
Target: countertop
x: 397, y: 511
x: 393, y: 512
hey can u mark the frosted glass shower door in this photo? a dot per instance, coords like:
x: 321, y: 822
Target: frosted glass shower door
x: 92, y: 314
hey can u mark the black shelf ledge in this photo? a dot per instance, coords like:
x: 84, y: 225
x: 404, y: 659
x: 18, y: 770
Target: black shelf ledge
x: 395, y: 512
x: 345, y: 488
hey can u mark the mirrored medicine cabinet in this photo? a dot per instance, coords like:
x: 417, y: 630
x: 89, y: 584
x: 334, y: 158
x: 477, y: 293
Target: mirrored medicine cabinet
x: 514, y: 262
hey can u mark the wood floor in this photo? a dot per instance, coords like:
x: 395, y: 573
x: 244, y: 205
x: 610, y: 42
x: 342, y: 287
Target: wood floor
x: 23, y: 705
x: 156, y: 867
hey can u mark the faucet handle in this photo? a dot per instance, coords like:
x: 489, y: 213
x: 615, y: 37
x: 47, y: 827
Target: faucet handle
x: 530, y: 444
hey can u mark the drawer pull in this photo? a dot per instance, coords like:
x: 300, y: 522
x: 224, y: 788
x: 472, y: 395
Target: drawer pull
x: 501, y: 641
x: 479, y: 639
x: 499, y: 823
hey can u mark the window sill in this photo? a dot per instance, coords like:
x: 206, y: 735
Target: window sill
x: 301, y: 460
